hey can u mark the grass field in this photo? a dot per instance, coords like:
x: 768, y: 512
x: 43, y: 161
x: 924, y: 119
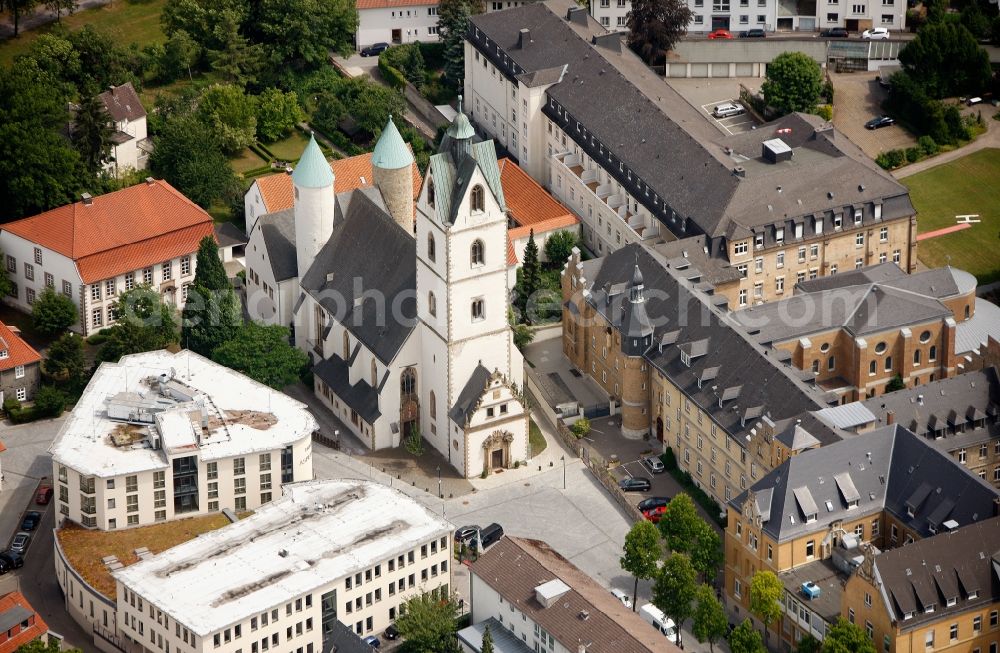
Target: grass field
x: 130, y: 21
x: 291, y: 148
x: 965, y: 186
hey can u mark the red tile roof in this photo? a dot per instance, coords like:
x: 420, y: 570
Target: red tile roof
x: 529, y: 203
x: 126, y: 230
x: 18, y: 351
x: 511, y: 255
x: 32, y: 632
x: 349, y: 174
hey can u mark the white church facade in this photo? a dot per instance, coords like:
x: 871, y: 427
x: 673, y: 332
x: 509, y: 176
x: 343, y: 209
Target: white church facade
x: 401, y: 303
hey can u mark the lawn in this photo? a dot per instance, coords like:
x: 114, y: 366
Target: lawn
x: 291, y: 148
x: 965, y: 186
x: 246, y: 160
x: 131, y: 21
x: 536, y: 439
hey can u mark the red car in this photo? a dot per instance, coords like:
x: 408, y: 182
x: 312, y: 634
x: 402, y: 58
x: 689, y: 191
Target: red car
x: 44, y: 495
x: 655, y: 514
x: 720, y: 34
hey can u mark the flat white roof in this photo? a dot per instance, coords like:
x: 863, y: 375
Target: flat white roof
x: 316, y: 534
x: 203, y: 408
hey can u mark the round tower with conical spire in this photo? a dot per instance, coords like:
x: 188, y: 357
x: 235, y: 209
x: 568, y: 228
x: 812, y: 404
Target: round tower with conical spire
x: 637, y: 337
x: 315, y: 205
x: 392, y: 169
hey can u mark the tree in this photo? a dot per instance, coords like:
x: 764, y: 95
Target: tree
x: 794, y: 82
x: 39, y: 169
x: 64, y: 358
x: 263, y: 353
x: 679, y: 526
x: 845, y: 637
x: 49, y: 401
x: 189, y: 156
x: 103, y: 61
x: 142, y: 323
x: 5, y: 283
x: 92, y: 134
x: 559, y: 247
x: 239, y: 61
x: 709, y: 618
x: 453, y: 23
x: 301, y: 33
x: 674, y: 589
x: 706, y: 554
x: 654, y: 26
x: 487, y: 645
x: 641, y: 554
x: 231, y: 113
x: 370, y: 104
x: 38, y: 646
x: 581, y: 427
x: 207, y: 21
x: 530, y: 277
x: 745, y: 639
x: 765, y: 597
x: 180, y: 53
x: 212, y: 314
x: 809, y: 644
x: 895, y: 383
x: 59, y: 6
x: 947, y: 61
x: 427, y: 624
x: 53, y: 312
x: 16, y: 8
x: 277, y: 114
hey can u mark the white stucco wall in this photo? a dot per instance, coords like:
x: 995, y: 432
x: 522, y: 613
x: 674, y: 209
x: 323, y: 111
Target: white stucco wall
x: 414, y: 23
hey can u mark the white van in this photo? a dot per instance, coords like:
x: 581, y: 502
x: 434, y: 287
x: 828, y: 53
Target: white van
x: 655, y: 617
x: 727, y: 110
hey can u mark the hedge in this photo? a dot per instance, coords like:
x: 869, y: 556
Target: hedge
x: 700, y: 497
x: 391, y: 75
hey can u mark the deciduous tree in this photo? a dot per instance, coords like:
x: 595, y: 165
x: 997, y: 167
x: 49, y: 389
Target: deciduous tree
x: 17, y: 8
x: 706, y: 554
x: 680, y: 524
x: 53, y: 312
x: 655, y: 26
x: 559, y: 247
x: 143, y: 323
x: 641, y: 554
x: 674, y: 589
x: 845, y: 637
x: 189, y: 156
x: 746, y: 639
x: 709, y: 619
x: 794, y: 82
x: 64, y: 358
x: 301, y: 33
x: 263, y: 353
x: 59, y: 6
x: 947, y: 61
x: 231, y: 113
x: 277, y: 114
x: 765, y: 596
x: 428, y: 624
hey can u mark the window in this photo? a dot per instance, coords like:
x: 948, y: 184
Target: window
x: 29, y: 271
x: 478, y: 310
x: 888, y: 363
x: 167, y: 270
x: 779, y: 285
x: 22, y: 394
x: 859, y: 240
x: 96, y: 317
x: 147, y: 276
x: 741, y: 247
x: 476, y: 256
x: 185, y: 266
x: 239, y: 466
x: 213, y: 470
x: 743, y: 296
x: 779, y: 260
x: 11, y: 264
x: 431, y: 253
x: 129, y: 280
x: 758, y: 264
x: 67, y: 288
x: 932, y: 353
x: 810, y: 548
x: 432, y: 304
x: 50, y: 281
x: 477, y: 199
x: 19, y: 372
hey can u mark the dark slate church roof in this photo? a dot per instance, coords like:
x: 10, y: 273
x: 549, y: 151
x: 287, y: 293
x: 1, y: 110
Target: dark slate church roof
x: 278, y: 232
x: 473, y: 390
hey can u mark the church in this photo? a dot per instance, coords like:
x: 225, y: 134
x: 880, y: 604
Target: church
x: 401, y: 299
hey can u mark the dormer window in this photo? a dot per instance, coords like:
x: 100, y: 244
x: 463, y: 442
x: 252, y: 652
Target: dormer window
x: 857, y: 217
x: 758, y: 241
x: 973, y: 595
x: 779, y: 235
x: 4, y: 353
x: 929, y: 608
x: 951, y: 602
x: 686, y: 359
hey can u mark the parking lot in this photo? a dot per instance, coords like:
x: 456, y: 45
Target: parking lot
x: 738, y: 124
x: 706, y: 93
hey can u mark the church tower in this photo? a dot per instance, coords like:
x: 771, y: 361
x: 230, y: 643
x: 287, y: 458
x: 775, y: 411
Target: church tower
x: 637, y: 338
x: 392, y: 169
x: 314, y: 205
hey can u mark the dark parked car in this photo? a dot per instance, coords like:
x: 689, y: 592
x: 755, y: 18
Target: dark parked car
x: 44, y: 495
x: 835, y: 33
x: 653, y: 502
x: 755, y: 33
x: 391, y: 633
x: 466, y: 533
x: 880, y: 122
x: 374, y: 50
x: 372, y: 641
x: 11, y: 559
x: 488, y: 536
x: 634, y: 484
x: 31, y: 520
x: 5, y: 567
x: 20, y: 543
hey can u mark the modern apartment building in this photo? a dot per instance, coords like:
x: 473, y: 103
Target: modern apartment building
x: 858, y: 331
x: 95, y: 249
x: 158, y: 436
x: 529, y: 594
x: 342, y: 550
x: 644, y: 327
x: 960, y: 416
x: 591, y: 122
x: 811, y: 518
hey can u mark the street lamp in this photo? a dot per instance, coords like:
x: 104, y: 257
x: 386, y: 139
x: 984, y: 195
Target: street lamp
x: 564, y: 471
x: 440, y: 494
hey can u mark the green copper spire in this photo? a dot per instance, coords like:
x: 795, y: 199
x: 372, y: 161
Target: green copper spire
x: 391, y: 152
x: 313, y: 170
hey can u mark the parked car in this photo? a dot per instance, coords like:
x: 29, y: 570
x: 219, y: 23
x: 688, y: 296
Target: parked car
x: 44, y: 495
x: 372, y: 641
x: 634, y: 484
x: 721, y: 34
x: 5, y: 567
x: 880, y: 122
x: 973, y: 100
x: 875, y: 34
x: 466, y: 533
x: 835, y: 33
x: 728, y: 109
x: 652, y: 502
x: 391, y: 633
x: 654, y: 616
x: 374, y: 50
x: 623, y: 597
x: 755, y: 33
x: 20, y: 543
x: 654, y: 464
x: 12, y: 559
x: 655, y: 514
x: 31, y: 520
x: 488, y: 536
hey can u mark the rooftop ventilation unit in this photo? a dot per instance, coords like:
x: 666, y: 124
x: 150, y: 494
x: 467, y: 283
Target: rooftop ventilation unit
x: 776, y: 151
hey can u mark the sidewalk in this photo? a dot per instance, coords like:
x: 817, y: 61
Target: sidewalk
x: 41, y: 16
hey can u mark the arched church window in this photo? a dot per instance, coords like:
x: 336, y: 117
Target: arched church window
x: 431, y: 251
x: 374, y: 374
x: 430, y: 193
x: 477, y: 255
x: 347, y: 346
x: 432, y: 405
x: 408, y: 382
x: 478, y: 199
x: 432, y: 304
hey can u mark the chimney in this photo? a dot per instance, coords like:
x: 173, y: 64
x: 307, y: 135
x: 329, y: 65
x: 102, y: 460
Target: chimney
x: 87, y: 198
x: 150, y: 181
x: 582, y: 648
x: 890, y: 417
x: 524, y: 38
x: 740, y: 172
